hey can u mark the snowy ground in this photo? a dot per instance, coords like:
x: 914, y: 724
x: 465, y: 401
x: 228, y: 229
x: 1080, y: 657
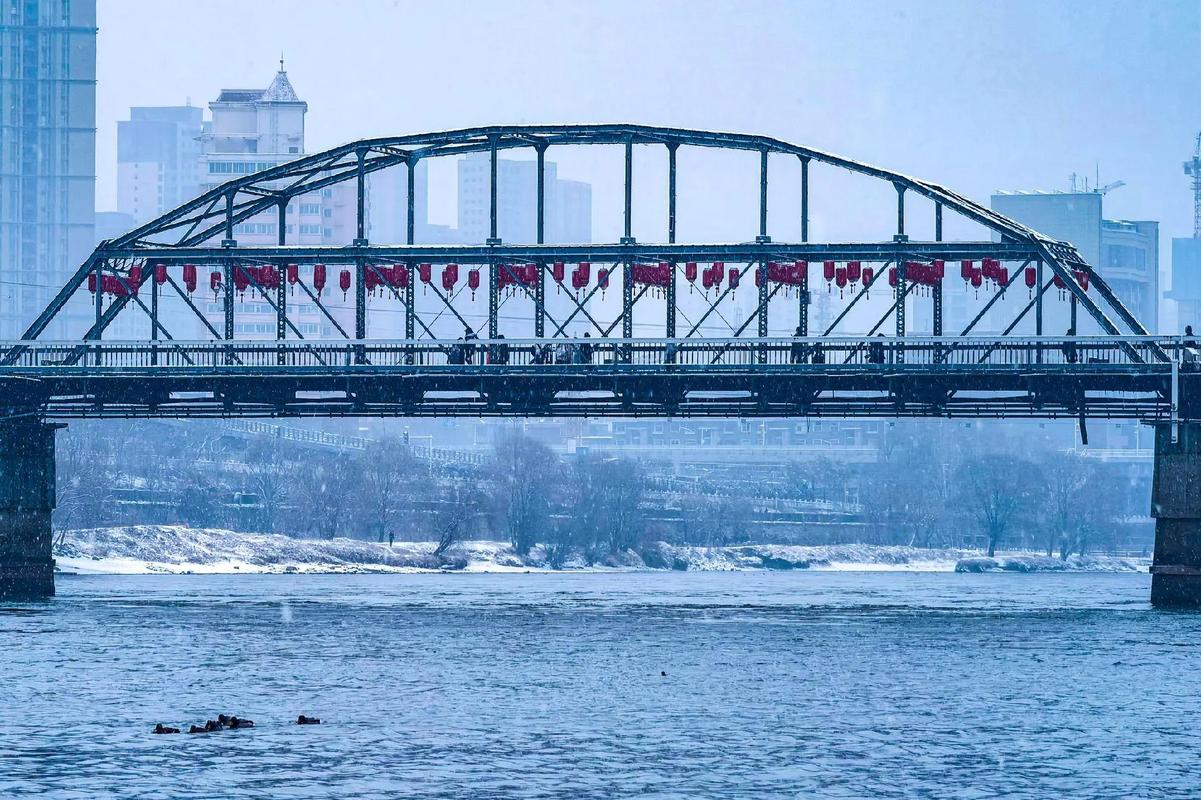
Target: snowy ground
x: 144, y: 549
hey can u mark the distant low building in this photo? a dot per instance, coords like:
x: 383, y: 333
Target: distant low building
x: 111, y: 224
x: 158, y: 150
x: 1125, y: 252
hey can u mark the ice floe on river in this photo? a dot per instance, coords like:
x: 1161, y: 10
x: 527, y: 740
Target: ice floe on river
x: 145, y: 549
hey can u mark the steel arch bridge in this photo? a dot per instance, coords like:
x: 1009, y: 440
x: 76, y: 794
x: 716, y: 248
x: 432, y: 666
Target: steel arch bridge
x: 1123, y: 372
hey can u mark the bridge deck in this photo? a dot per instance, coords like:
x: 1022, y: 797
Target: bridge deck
x: 1109, y: 377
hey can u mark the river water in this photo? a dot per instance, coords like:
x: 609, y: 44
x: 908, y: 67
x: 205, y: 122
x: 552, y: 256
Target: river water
x: 794, y: 684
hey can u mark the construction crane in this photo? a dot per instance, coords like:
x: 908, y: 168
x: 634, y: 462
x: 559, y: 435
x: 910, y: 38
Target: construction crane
x: 1193, y: 169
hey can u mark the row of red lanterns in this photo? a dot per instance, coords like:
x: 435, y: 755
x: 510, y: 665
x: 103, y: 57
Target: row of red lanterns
x: 526, y: 275
x: 111, y: 284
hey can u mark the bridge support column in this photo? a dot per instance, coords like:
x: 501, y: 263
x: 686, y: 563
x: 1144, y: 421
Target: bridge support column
x: 1176, y: 506
x: 26, y: 501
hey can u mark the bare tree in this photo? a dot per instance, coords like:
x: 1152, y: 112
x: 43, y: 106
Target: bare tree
x: 324, y: 489
x: 459, y: 515
x: 270, y: 479
x: 389, y: 472
x: 524, y: 473
x: 995, y: 490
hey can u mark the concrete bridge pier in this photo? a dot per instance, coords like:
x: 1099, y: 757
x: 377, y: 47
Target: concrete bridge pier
x: 26, y: 501
x: 1176, y: 507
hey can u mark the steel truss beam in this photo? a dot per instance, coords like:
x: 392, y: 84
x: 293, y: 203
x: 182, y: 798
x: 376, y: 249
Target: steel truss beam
x: 177, y: 236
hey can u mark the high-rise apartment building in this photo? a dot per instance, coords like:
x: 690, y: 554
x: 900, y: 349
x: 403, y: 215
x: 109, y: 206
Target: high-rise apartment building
x: 253, y: 130
x: 47, y: 154
x: 158, y: 160
x: 568, y: 204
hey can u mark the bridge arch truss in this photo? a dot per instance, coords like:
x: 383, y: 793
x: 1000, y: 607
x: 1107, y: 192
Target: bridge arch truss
x: 202, y: 232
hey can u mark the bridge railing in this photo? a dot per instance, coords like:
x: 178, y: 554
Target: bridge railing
x: 477, y: 354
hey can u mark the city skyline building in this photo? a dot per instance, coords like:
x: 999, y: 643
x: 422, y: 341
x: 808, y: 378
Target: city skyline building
x: 47, y: 156
x: 158, y: 158
x: 568, y: 203
x: 1125, y: 251
x: 256, y: 129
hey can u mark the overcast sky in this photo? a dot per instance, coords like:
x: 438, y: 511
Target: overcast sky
x: 979, y: 96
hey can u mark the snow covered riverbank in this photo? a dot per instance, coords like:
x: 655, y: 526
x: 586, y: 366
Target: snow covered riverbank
x: 146, y: 549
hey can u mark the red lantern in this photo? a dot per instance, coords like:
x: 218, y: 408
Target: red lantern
x: 690, y: 272
x: 189, y: 276
x: 92, y: 282
x: 854, y: 271
x: 719, y: 272
x: 450, y: 276
x: 473, y: 281
x: 977, y: 278
x: 1031, y: 277
x: 840, y: 277
x: 602, y: 278
x: 1082, y: 279
x: 241, y: 279
x: 557, y: 271
x: 940, y: 269
x: 966, y: 270
x: 160, y: 272
x: 736, y: 276
x: 135, y: 278
x: 215, y: 283
x: 868, y: 274
x: 344, y: 282
x: 828, y: 270
x: 892, y: 276
x: 293, y: 274
x: 319, y: 278
x: 425, y: 271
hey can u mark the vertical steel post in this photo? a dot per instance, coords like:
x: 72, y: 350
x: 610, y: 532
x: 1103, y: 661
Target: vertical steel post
x: 1038, y: 310
x: 99, y: 297
x: 804, y: 199
x: 627, y: 276
x: 540, y: 288
x: 762, y: 237
x: 360, y: 298
x: 629, y: 188
x: 410, y: 238
x: 493, y: 239
x: 803, y: 307
x: 763, y: 194
x: 154, y: 316
x: 670, y: 331
x: 360, y: 265
x: 361, y: 200
x: 281, y: 291
x: 671, y: 192
x: 803, y: 296
x: 937, y: 295
x: 492, y: 228
x: 229, y: 221
x: 493, y: 299
x: 902, y: 285
x: 229, y: 299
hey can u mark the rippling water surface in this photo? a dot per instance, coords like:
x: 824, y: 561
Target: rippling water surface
x: 798, y: 684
